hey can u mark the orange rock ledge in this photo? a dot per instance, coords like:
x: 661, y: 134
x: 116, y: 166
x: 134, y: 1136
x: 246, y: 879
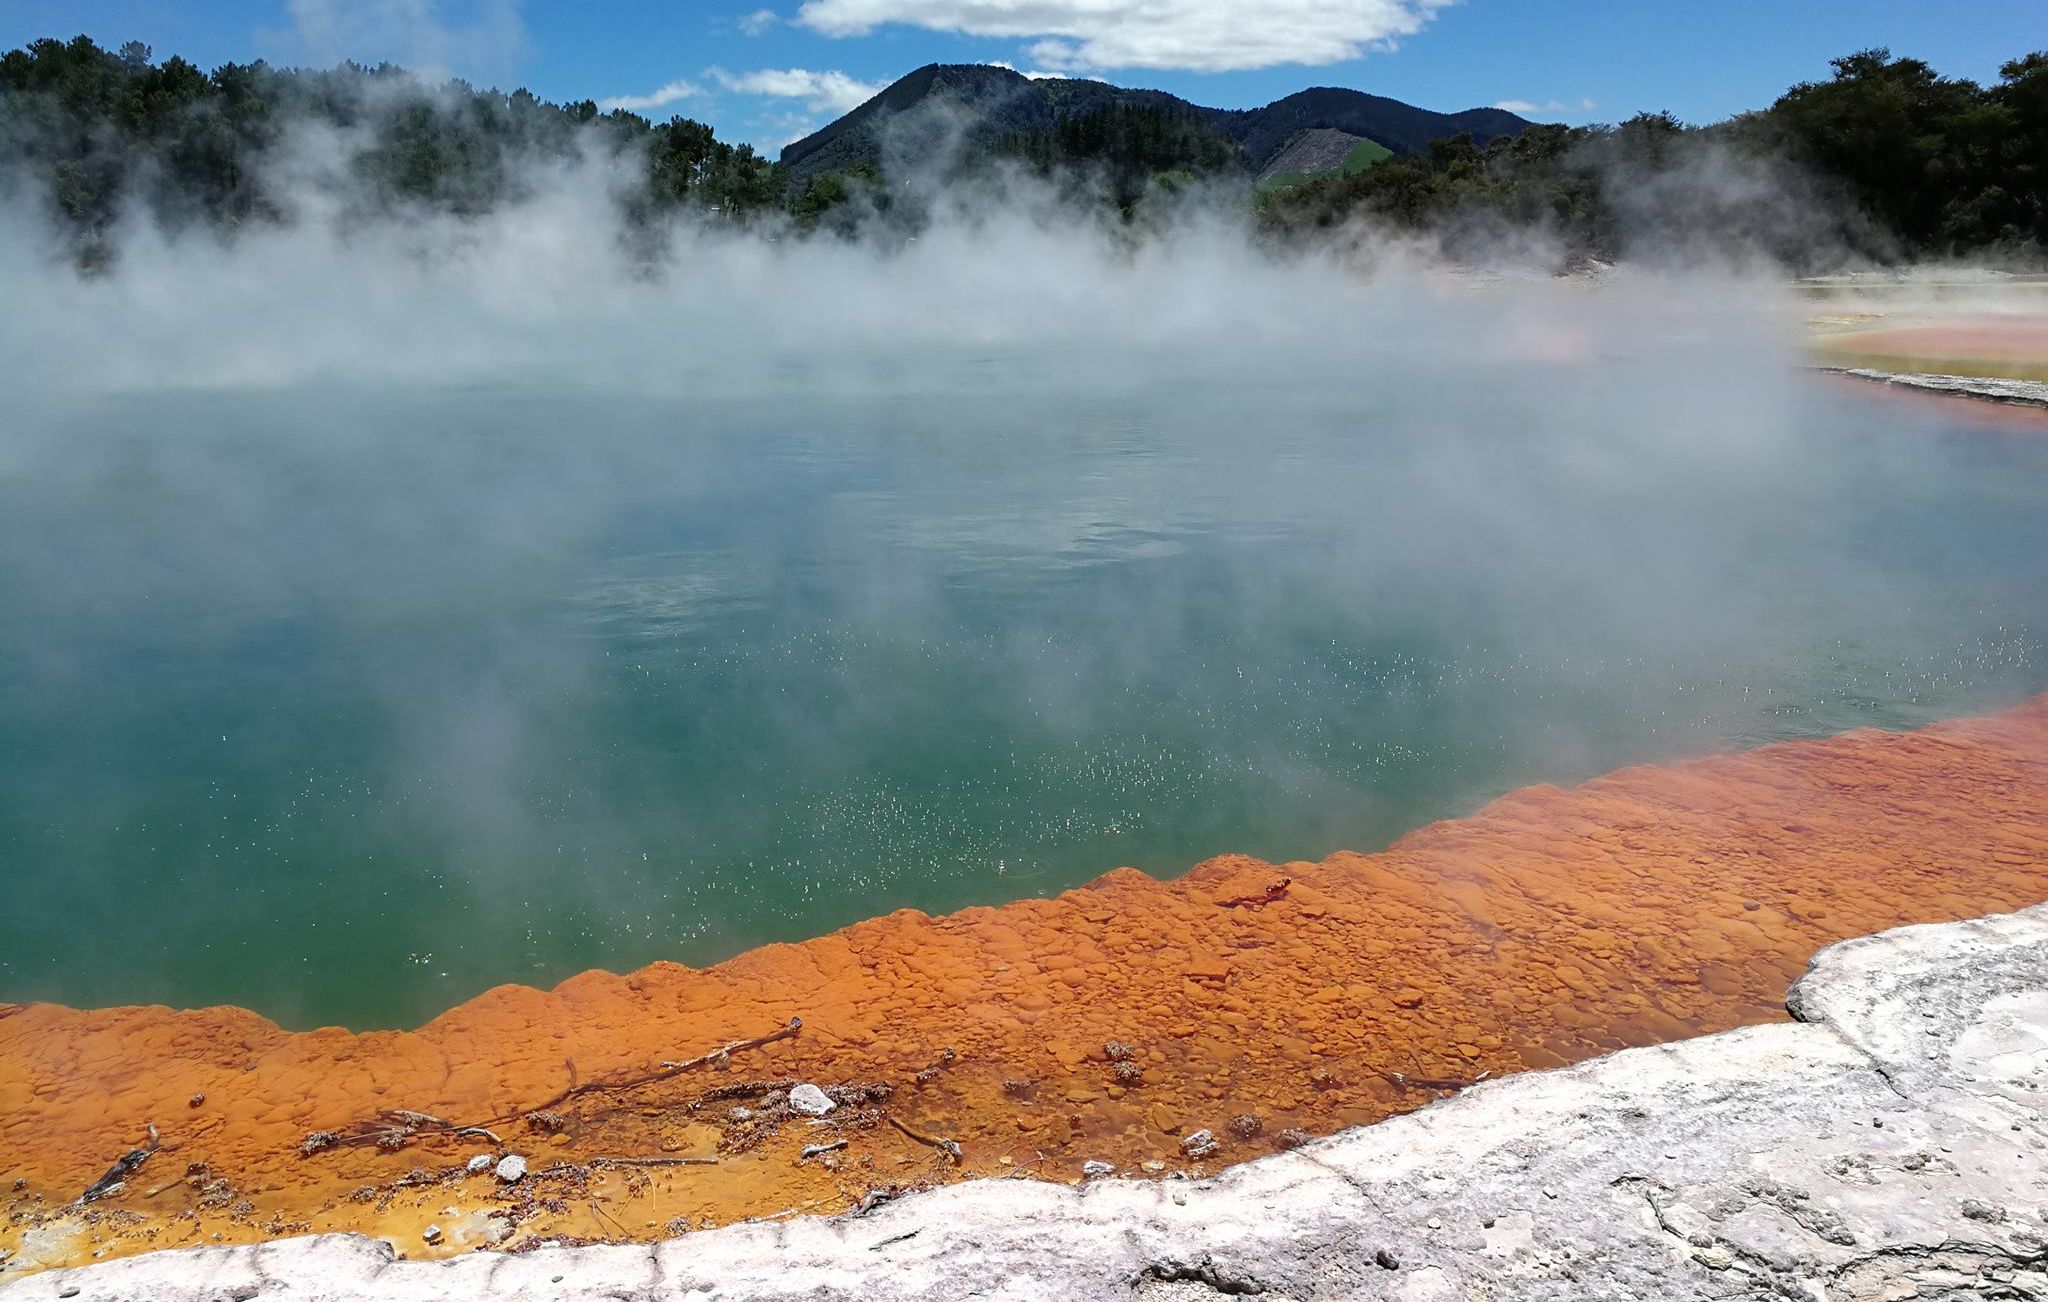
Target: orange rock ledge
x: 1109, y: 1024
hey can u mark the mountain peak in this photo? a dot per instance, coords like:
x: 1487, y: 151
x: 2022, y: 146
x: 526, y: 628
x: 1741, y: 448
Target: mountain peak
x: 993, y: 100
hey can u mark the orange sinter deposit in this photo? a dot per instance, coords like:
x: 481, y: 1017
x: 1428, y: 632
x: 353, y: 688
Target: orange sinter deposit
x: 2010, y: 347
x: 1259, y: 1003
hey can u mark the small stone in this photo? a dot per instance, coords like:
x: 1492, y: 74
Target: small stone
x: 197, y: 1100
x: 1092, y: 1167
x: 432, y: 1234
x: 1434, y: 1223
x: 1199, y: 1145
x: 1246, y: 1126
x: 1751, y: 906
x: 1386, y: 1260
x: 478, y: 1165
x: 1179, y: 1199
x: 1877, y: 1123
x: 1153, y: 1167
x: 1977, y: 1209
x: 512, y: 1168
x: 810, y: 1100
x: 1550, y: 1193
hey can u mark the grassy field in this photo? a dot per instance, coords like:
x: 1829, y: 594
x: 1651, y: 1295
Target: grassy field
x: 1365, y: 155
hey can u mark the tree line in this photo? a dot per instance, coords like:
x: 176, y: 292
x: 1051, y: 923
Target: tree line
x: 99, y: 133
x: 1884, y: 160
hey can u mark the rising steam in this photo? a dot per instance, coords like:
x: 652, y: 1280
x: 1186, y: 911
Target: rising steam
x: 618, y: 600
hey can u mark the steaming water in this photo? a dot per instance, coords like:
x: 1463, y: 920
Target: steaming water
x: 347, y: 704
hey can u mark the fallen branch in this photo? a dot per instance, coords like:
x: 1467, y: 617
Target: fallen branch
x: 652, y: 1161
x: 123, y: 1167
x: 1017, y: 1172
x: 394, y: 1127
x: 391, y: 1129
x: 950, y: 1147
x: 819, y: 1150
x: 1401, y: 1082
x: 725, y: 1050
x: 663, y: 1072
x: 894, y: 1238
x: 1260, y: 900
x: 598, y: 1214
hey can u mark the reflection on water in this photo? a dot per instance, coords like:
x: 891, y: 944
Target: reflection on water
x: 344, y: 705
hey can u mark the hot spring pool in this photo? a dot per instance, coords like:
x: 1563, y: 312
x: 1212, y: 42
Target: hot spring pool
x: 344, y: 704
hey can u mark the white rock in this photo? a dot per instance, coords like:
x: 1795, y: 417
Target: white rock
x: 479, y: 1164
x: 810, y: 1100
x: 512, y: 1168
x: 1094, y: 1167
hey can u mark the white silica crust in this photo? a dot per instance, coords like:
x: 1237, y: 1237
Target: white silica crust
x: 1890, y: 1144
x: 2025, y: 393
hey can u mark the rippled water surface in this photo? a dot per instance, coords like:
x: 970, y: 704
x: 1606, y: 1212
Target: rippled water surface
x: 345, y: 705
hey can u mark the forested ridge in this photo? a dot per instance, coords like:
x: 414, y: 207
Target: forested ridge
x: 1884, y: 160
x: 105, y: 130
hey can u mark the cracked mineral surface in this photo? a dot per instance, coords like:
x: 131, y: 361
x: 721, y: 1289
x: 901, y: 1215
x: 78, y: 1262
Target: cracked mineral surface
x: 1263, y: 1004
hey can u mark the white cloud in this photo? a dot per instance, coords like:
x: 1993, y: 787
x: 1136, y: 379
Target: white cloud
x: 773, y: 132
x: 757, y: 22
x: 822, y: 92
x: 1033, y: 74
x: 415, y: 33
x: 1550, y: 109
x: 668, y: 94
x: 1205, y: 35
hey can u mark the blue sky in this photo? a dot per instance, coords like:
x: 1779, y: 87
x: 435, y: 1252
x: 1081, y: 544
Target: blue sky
x: 770, y: 70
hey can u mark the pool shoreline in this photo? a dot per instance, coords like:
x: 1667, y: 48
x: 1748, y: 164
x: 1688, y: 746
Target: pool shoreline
x: 1888, y: 1122
x: 1257, y: 1005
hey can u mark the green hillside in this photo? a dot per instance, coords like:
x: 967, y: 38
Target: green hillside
x: 1364, y: 156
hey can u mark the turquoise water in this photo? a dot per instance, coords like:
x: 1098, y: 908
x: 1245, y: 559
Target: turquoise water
x: 345, y: 705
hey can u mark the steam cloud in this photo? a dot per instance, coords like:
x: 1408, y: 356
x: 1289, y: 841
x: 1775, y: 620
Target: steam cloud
x: 547, y: 549
x: 1205, y: 35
